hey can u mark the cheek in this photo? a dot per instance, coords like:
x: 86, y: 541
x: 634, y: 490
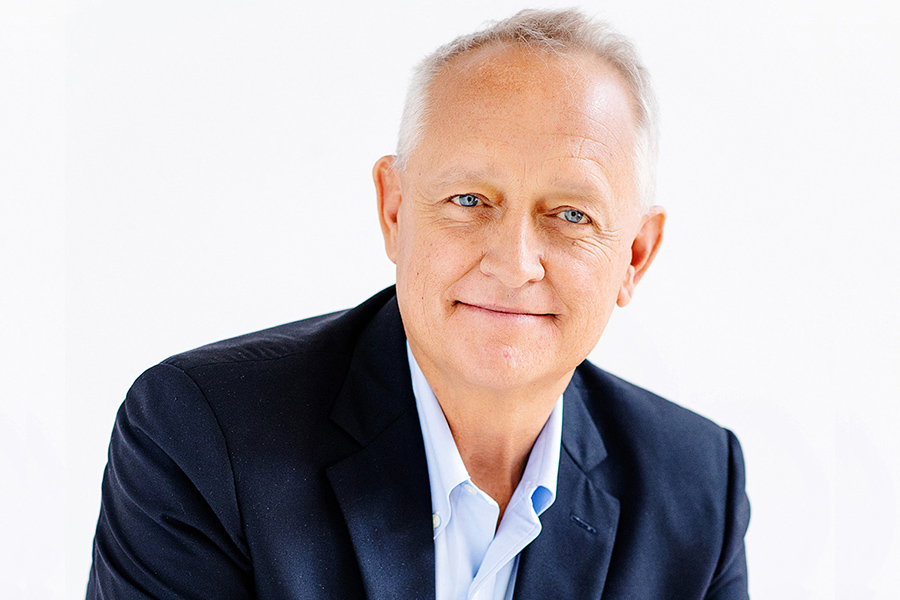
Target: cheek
x: 593, y: 294
x: 450, y: 251
x: 588, y: 284
x: 431, y: 259
x: 584, y: 275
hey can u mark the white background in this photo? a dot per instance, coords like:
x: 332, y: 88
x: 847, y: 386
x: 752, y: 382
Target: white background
x: 177, y: 172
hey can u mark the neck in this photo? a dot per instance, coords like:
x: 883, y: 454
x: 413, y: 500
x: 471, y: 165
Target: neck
x: 495, y: 430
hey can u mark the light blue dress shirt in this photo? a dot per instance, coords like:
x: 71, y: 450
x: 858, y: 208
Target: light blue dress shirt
x: 472, y: 562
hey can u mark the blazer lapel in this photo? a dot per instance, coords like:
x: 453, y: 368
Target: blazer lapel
x: 570, y: 557
x: 383, y: 488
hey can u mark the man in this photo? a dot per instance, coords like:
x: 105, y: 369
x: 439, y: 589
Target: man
x: 447, y: 439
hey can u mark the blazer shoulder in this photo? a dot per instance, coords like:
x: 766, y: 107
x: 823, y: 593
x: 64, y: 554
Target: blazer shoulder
x: 332, y: 333
x: 679, y: 476
x: 654, y: 428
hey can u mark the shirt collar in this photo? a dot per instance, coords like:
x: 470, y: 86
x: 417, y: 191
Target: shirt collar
x: 445, y: 466
x: 542, y: 469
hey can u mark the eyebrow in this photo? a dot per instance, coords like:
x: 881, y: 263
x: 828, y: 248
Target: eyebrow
x: 455, y: 177
x: 582, y: 190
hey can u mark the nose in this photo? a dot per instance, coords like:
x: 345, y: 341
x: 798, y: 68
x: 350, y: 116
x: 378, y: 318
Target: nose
x: 513, y: 252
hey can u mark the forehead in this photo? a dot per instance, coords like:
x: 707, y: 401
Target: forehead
x: 513, y: 68
x: 507, y: 106
x: 518, y: 77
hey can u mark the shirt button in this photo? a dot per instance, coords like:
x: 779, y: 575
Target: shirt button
x: 470, y: 488
x: 435, y: 521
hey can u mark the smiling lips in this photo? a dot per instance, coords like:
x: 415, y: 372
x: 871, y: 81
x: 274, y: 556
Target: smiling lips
x: 501, y: 311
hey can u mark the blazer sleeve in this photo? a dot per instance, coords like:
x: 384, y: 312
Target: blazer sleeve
x: 730, y: 579
x: 169, y: 524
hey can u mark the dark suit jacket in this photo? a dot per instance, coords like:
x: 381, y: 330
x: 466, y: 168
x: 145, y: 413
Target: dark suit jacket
x: 289, y: 464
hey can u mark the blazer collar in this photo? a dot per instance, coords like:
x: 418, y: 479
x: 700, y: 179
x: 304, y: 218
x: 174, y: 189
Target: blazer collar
x: 570, y: 558
x: 384, y: 493
x: 383, y: 488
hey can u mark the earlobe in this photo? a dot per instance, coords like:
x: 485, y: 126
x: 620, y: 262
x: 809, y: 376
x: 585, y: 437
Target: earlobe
x: 627, y: 287
x: 387, y: 189
x: 643, y: 249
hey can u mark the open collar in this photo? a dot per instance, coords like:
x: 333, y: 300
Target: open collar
x: 383, y: 488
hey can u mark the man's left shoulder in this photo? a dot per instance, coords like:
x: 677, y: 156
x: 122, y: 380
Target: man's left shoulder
x: 652, y: 429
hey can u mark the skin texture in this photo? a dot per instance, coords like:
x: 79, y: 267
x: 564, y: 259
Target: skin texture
x: 501, y: 294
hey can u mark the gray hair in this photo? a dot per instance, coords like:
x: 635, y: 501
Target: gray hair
x: 555, y: 31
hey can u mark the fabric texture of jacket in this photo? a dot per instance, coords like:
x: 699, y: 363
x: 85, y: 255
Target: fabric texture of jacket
x: 289, y: 464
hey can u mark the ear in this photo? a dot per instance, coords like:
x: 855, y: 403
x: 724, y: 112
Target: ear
x: 643, y: 250
x: 387, y: 187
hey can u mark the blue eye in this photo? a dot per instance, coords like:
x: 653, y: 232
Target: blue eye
x: 467, y: 200
x: 573, y: 216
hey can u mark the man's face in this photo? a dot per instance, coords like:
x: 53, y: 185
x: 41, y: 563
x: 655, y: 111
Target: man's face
x: 513, y: 224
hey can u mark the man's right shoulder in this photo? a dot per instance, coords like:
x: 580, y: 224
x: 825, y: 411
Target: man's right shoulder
x: 243, y: 385
x: 333, y: 333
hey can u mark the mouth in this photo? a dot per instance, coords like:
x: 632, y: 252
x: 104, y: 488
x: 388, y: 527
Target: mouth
x: 501, y: 311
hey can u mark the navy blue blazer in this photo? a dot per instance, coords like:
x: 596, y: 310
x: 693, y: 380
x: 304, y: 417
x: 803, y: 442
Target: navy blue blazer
x: 289, y: 464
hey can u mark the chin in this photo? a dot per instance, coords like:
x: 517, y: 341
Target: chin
x: 501, y: 366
